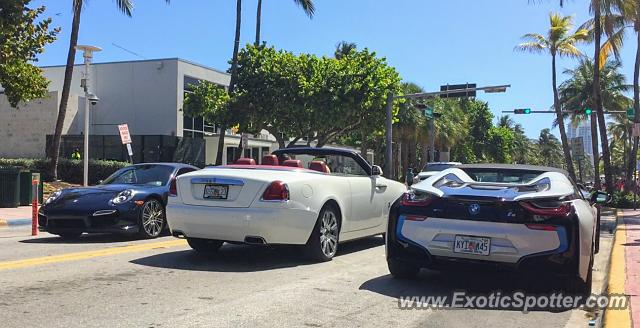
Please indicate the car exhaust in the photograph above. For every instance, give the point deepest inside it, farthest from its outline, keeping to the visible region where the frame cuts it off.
(254, 240)
(178, 234)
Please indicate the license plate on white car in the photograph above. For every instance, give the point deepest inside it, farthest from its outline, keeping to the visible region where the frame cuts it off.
(472, 245)
(213, 191)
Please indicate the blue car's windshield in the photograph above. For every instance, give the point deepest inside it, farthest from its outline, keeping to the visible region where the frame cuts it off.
(156, 175)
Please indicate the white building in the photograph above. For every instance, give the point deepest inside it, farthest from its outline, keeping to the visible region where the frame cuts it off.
(583, 130)
(148, 95)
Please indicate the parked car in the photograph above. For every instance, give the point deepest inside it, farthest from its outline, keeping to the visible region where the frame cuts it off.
(315, 197)
(130, 201)
(433, 168)
(529, 218)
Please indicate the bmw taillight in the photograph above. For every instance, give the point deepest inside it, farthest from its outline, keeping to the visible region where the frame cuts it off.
(547, 209)
(413, 198)
(276, 191)
(173, 187)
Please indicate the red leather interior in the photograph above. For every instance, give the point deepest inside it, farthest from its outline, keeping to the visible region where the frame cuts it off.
(245, 161)
(292, 163)
(270, 160)
(319, 166)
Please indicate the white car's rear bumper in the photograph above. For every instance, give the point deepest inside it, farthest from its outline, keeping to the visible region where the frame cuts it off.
(275, 225)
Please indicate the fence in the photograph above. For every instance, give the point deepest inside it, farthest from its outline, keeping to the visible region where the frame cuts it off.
(146, 148)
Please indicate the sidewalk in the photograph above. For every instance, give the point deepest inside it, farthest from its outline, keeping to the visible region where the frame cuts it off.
(625, 270)
(632, 257)
(15, 216)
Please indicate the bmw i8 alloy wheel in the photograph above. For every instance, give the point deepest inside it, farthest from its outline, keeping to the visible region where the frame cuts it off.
(151, 219)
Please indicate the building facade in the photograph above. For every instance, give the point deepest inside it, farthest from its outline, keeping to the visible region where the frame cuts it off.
(148, 95)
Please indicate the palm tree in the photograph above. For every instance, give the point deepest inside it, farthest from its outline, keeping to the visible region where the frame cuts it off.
(506, 121)
(307, 6)
(550, 149)
(343, 48)
(126, 7)
(558, 42)
(232, 80)
(577, 93)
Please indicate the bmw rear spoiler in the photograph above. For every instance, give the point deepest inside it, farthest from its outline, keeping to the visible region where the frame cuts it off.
(456, 182)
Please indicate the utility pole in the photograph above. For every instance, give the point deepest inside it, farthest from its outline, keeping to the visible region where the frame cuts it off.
(389, 149)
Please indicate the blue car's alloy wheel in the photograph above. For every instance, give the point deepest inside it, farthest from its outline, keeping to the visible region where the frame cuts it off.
(151, 219)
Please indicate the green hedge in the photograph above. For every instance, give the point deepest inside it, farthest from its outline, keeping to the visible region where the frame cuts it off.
(68, 170)
(622, 199)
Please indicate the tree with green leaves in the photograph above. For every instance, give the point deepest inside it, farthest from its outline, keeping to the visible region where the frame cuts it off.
(209, 101)
(559, 42)
(344, 48)
(22, 38)
(576, 94)
(307, 6)
(550, 149)
(126, 7)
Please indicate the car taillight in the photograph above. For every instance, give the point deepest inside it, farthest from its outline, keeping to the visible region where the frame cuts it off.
(277, 190)
(416, 199)
(173, 187)
(558, 209)
(415, 217)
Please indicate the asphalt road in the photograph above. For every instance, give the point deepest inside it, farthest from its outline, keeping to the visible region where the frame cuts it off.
(106, 281)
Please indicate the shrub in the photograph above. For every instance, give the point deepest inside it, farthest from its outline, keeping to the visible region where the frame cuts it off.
(622, 199)
(68, 170)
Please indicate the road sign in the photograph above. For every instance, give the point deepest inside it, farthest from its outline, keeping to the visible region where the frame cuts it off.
(631, 113)
(125, 137)
(129, 149)
(635, 132)
(428, 112)
(461, 94)
(577, 147)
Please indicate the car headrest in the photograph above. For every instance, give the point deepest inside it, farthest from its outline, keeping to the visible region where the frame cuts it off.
(270, 160)
(292, 163)
(319, 166)
(245, 161)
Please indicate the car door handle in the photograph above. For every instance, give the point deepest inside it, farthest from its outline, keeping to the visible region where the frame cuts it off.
(380, 186)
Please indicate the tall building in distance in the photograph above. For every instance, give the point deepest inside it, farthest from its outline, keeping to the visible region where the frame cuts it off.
(583, 129)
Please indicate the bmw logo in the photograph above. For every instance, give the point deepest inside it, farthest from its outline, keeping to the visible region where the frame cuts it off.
(474, 209)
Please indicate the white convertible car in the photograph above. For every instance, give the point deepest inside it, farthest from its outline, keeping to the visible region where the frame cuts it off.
(303, 196)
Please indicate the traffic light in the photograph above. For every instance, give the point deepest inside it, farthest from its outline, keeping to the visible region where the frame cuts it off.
(587, 111)
(522, 111)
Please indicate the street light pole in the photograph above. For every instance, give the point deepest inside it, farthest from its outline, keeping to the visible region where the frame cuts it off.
(389, 135)
(87, 55)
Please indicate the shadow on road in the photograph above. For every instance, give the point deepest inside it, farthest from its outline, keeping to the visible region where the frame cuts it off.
(446, 283)
(246, 258)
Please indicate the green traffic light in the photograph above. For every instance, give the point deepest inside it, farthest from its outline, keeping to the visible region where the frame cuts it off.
(587, 111)
(527, 110)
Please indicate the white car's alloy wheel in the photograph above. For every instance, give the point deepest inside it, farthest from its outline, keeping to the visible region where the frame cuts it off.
(329, 234)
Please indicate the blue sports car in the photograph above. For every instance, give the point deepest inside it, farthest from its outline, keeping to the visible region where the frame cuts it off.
(131, 201)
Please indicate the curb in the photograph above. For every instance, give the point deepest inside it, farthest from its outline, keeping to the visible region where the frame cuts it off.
(602, 320)
(599, 320)
(14, 222)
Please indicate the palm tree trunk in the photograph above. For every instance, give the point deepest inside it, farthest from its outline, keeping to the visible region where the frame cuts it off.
(595, 151)
(232, 82)
(597, 97)
(563, 134)
(636, 106)
(258, 22)
(54, 151)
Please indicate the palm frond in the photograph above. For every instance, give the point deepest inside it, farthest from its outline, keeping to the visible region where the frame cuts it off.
(125, 6)
(307, 6)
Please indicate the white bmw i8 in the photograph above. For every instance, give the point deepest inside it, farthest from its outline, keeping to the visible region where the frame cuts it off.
(316, 197)
(528, 218)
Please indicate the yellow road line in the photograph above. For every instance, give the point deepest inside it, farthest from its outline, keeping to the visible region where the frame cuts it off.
(89, 254)
(617, 275)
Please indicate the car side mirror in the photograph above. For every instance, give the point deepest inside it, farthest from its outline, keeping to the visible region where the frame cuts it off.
(376, 170)
(600, 197)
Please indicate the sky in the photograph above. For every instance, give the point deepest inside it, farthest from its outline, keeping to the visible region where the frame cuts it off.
(429, 42)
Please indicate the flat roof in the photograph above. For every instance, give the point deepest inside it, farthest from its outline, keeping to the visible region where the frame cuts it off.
(146, 60)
